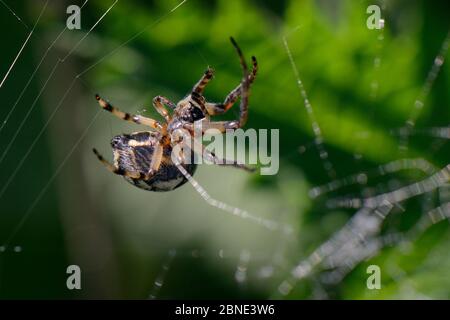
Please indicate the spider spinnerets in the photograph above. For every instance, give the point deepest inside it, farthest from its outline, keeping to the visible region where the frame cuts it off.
(145, 158)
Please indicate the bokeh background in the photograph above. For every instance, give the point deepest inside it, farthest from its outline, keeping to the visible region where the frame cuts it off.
(61, 207)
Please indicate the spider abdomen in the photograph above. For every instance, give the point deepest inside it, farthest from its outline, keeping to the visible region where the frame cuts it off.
(134, 152)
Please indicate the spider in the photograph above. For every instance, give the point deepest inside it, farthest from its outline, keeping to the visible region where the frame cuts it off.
(144, 158)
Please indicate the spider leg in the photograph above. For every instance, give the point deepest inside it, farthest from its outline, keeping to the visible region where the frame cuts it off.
(241, 90)
(159, 102)
(206, 124)
(128, 117)
(220, 108)
(201, 84)
(200, 149)
(245, 85)
(116, 170)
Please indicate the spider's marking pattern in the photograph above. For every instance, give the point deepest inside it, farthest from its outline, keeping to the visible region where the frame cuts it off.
(145, 158)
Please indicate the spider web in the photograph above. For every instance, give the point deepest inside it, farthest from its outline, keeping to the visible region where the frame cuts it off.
(359, 239)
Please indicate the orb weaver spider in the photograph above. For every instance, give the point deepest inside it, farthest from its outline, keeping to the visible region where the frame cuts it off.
(145, 158)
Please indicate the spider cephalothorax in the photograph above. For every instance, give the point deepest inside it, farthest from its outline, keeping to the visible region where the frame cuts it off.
(145, 158)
